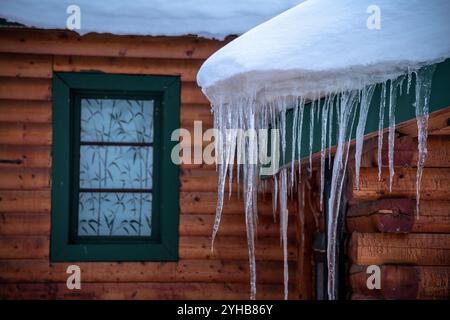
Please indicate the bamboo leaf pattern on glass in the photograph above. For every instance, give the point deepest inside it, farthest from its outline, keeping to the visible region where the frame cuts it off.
(116, 160)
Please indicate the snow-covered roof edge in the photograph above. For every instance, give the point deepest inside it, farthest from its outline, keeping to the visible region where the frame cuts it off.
(209, 19)
(326, 46)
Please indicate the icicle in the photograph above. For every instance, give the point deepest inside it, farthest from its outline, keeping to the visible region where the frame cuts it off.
(222, 158)
(366, 97)
(294, 143)
(275, 197)
(250, 113)
(283, 228)
(249, 196)
(380, 128)
(311, 136)
(323, 147)
(301, 108)
(423, 91)
(391, 136)
(408, 86)
(232, 154)
(330, 130)
(345, 109)
(282, 126)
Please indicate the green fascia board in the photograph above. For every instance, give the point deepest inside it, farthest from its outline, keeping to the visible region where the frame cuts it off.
(405, 111)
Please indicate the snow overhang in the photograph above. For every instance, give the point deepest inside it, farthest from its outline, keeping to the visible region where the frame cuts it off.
(325, 46)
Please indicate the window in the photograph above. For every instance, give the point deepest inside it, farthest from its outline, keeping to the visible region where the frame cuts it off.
(114, 186)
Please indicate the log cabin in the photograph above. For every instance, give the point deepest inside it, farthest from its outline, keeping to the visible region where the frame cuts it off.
(51, 81)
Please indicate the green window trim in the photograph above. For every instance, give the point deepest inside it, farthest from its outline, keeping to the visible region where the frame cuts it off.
(163, 244)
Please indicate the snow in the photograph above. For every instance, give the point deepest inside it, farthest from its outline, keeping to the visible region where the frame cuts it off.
(323, 49)
(212, 19)
(311, 48)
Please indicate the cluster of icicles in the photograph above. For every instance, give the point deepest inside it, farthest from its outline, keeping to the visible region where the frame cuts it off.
(250, 113)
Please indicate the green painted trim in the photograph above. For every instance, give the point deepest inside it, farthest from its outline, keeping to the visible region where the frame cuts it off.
(405, 111)
(163, 244)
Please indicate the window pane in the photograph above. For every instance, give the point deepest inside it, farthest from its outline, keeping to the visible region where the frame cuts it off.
(121, 167)
(116, 120)
(116, 162)
(114, 214)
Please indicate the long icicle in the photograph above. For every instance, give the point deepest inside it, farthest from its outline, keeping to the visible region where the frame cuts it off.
(311, 136)
(391, 136)
(323, 146)
(294, 143)
(249, 196)
(283, 226)
(345, 109)
(380, 128)
(330, 130)
(301, 109)
(222, 149)
(366, 98)
(423, 90)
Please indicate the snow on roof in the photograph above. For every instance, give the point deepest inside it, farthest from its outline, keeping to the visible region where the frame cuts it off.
(326, 45)
(208, 18)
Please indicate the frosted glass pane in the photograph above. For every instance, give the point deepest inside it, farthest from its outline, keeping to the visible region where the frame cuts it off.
(114, 214)
(116, 120)
(121, 167)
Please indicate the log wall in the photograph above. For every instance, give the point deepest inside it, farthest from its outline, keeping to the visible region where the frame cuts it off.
(28, 59)
(413, 251)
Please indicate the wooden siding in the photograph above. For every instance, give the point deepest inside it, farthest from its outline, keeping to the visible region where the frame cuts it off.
(28, 59)
(383, 228)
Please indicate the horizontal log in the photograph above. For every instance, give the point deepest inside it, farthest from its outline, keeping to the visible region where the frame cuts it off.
(40, 89)
(385, 215)
(24, 247)
(206, 203)
(142, 291)
(437, 120)
(267, 249)
(25, 65)
(200, 180)
(25, 201)
(233, 271)
(228, 248)
(435, 184)
(24, 224)
(106, 45)
(387, 248)
(196, 112)
(24, 178)
(25, 134)
(27, 156)
(25, 111)
(186, 68)
(25, 88)
(398, 215)
(444, 131)
(230, 225)
(192, 94)
(406, 152)
(403, 282)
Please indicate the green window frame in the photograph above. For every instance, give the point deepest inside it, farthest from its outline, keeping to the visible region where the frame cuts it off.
(66, 245)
